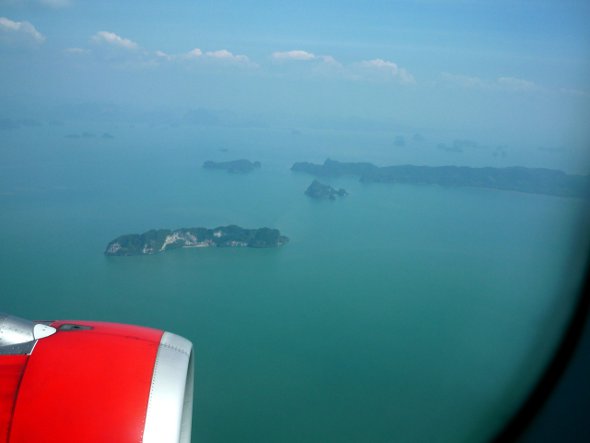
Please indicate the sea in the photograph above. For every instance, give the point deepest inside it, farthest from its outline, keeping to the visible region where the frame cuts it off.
(400, 313)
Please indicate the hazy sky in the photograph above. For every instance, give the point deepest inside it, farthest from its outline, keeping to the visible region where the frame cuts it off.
(505, 69)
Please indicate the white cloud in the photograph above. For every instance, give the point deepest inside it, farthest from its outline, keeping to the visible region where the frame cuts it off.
(327, 65)
(15, 32)
(305, 56)
(501, 83)
(224, 54)
(76, 51)
(380, 64)
(464, 81)
(574, 91)
(56, 3)
(193, 53)
(515, 84)
(294, 55)
(329, 60)
(391, 68)
(113, 39)
(163, 55)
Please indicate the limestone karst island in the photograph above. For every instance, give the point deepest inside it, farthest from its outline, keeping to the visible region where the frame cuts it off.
(241, 166)
(320, 191)
(160, 240)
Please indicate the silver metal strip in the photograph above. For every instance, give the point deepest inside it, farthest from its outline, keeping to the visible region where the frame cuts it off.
(169, 411)
(18, 349)
(15, 330)
(19, 336)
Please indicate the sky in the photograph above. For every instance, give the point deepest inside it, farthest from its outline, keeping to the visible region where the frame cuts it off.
(512, 71)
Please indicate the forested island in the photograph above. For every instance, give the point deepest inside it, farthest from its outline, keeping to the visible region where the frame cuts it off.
(160, 240)
(517, 178)
(321, 191)
(241, 166)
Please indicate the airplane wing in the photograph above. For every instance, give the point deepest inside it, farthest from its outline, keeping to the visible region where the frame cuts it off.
(93, 382)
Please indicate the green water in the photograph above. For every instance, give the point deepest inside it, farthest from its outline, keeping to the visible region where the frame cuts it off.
(400, 313)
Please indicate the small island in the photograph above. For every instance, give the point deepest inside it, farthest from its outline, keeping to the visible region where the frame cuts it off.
(516, 178)
(160, 240)
(320, 191)
(241, 166)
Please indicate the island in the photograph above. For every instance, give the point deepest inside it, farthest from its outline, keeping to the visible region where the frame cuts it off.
(241, 166)
(160, 240)
(516, 178)
(321, 191)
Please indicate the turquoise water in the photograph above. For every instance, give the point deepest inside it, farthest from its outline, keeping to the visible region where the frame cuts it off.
(400, 313)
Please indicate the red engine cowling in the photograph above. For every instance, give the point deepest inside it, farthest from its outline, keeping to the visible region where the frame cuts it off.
(79, 381)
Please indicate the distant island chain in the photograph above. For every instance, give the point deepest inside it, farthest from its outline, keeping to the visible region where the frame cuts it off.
(517, 178)
(160, 240)
(521, 179)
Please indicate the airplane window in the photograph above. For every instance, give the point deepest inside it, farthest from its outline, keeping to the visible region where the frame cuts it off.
(371, 219)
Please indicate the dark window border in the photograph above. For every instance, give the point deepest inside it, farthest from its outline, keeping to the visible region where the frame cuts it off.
(542, 393)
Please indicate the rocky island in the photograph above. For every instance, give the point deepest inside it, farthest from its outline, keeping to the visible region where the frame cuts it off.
(160, 240)
(517, 178)
(321, 191)
(241, 166)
